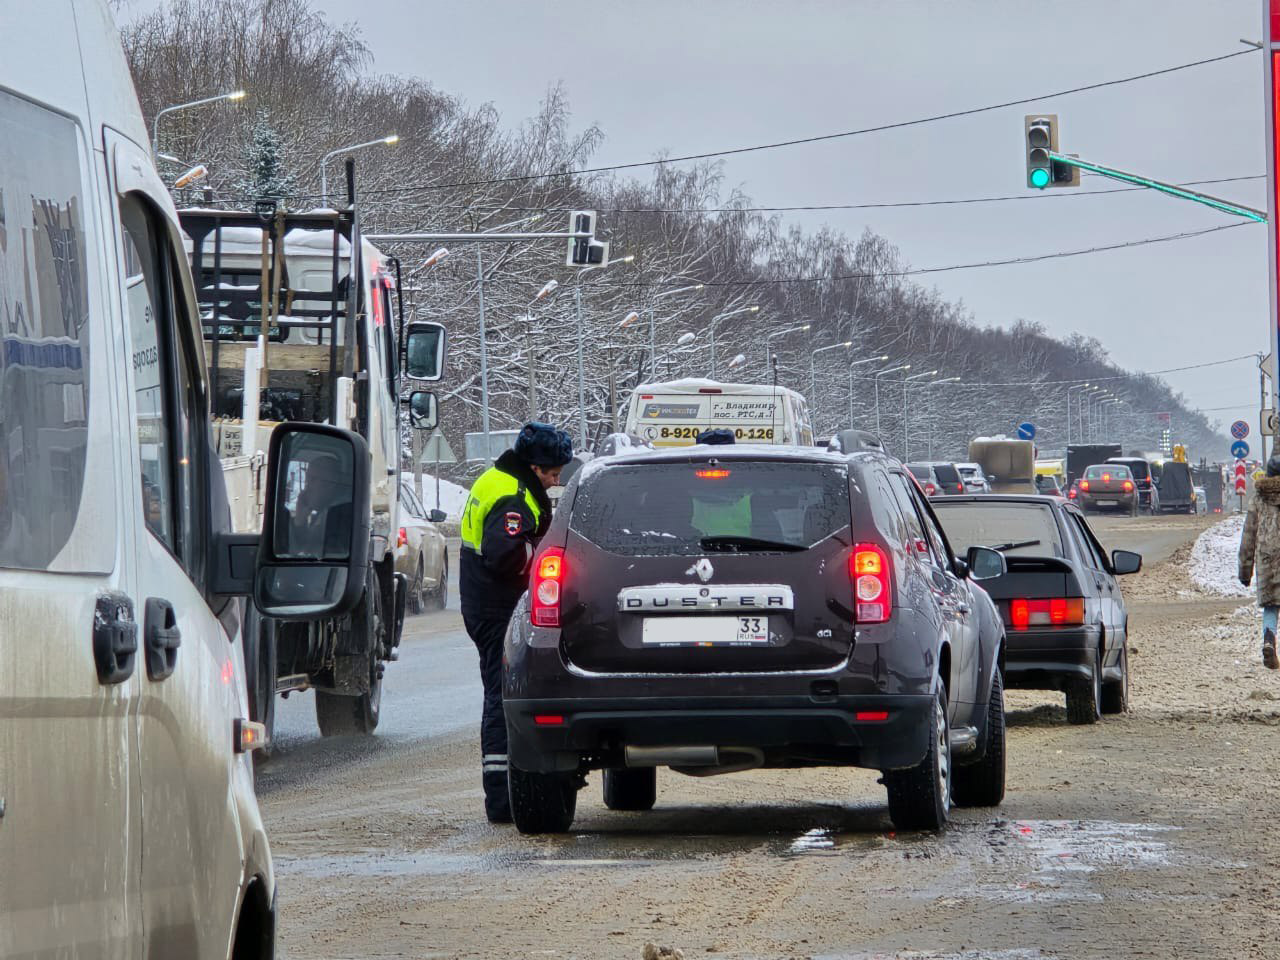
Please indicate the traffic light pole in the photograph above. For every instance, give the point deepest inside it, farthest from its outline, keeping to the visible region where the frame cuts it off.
(1182, 193)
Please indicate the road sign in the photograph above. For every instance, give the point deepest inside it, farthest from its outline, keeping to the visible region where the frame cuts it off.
(1239, 449)
(437, 450)
(500, 441)
(1241, 468)
(1026, 431)
(1240, 429)
(1268, 422)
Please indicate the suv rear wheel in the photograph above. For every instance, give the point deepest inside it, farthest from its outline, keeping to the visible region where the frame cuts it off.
(981, 784)
(920, 796)
(542, 802)
(630, 789)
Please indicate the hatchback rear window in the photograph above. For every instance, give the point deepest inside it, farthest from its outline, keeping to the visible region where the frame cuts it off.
(1016, 529)
(665, 509)
(947, 475)
(1116, 470)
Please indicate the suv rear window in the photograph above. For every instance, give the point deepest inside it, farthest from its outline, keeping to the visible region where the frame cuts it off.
(666, 509)
(947, 475)
(997, 523)
(1137, 467)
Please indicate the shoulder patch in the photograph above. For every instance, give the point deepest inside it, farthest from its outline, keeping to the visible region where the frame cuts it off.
(514, 524)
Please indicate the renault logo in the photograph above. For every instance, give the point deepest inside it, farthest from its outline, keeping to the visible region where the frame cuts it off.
(703, 569)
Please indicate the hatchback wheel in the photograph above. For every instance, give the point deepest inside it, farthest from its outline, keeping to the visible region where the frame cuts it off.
(1084, 696)
(1115, 693)
(631, 789)
(542, 802)
(920, 796)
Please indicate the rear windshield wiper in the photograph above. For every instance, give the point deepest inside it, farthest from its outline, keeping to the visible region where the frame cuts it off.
(739, 544)
(1014, 546)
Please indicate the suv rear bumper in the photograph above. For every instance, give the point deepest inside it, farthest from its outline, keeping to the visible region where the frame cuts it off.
(793, 730)
(1047, 659)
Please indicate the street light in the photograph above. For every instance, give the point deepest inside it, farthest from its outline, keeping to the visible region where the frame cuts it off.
(724, 316)
(653, 342)
(906, 420)
(1078, 386)
(858, 363)
(324, 181)
(548, 288)
(875, 382)
(582, 375)
(928, 415)
(768, 354)
(436, 257)
(1092, 396)
(234, 97)
(813, 371)
(738, 361)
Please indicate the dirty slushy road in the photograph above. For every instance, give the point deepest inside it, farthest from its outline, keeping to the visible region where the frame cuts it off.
(1149, 835)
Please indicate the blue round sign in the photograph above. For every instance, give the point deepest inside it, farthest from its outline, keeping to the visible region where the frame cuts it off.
(1026, 431)
(1239, 449)
(1240, 429)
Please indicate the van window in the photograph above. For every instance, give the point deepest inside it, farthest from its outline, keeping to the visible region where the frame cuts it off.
(44, 340)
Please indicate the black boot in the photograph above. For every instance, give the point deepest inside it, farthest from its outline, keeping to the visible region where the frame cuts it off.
(497, 802)
(1269, 658)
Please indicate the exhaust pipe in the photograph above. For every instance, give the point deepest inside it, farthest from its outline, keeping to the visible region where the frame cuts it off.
(671, 756)
(731, 760)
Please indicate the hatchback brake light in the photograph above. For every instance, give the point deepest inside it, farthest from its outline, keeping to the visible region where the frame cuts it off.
(547, 581)
(1128, 486)
(1084, 485)
(872, 590)
(1055, 611)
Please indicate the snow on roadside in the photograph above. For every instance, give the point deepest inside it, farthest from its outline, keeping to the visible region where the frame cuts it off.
(452, 497)
(1214, 563)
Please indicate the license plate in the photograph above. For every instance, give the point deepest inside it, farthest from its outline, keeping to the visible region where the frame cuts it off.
(705, 631)
(1107, 503)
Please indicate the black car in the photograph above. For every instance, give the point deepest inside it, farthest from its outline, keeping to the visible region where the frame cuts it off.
(1061, 604)
(1146, 477)
(716, 609)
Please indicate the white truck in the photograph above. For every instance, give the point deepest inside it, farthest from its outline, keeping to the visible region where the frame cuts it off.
(296, 329)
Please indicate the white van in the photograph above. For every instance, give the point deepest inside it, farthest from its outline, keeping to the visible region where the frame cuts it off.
(672, 414)
(128, 821)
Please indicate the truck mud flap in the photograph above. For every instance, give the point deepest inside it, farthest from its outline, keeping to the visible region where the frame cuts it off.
(351, 675)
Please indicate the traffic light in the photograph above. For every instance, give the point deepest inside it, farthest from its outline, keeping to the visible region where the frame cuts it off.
(1042, 142)
(586, 251)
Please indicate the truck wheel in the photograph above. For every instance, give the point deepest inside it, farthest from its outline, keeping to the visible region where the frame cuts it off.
(542, 802)
(1084, 697)
(438, 598)
(626, 789)
(340, 715)
(920, 796)
(981, 784)
(1115, 693)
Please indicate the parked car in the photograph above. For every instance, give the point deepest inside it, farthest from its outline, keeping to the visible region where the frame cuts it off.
(1108, 486)
(1066, 623)
(975, 481)
(938, 479)
(421, 554)
(717, 634)
(1146, 476)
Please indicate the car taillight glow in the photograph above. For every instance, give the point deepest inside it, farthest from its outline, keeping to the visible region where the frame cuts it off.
(1128, 486)
(403, 538)
(711, 474)
(930, 489)
(548, 719)
(871, 716)
(1106, 478)
(869, 569)
(1084, 485)
(1051, 612)
(548, 575)
(960, 487)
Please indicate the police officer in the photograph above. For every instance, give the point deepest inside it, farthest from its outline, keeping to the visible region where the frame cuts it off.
(506, 515)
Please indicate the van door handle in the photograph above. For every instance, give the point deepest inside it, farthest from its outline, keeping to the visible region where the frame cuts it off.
(115, 638)
(160, 627)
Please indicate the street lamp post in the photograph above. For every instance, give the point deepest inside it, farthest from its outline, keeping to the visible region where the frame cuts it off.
(813, 371)
(1092, 397)
(582, 376)
(906, 420)
(233, 97)
(929, 413)
(875, 381)
(724, 316)
(653, 335)
(1078, 386)
(548, 288)
(768, 354)
(324, 180)
(857, 363)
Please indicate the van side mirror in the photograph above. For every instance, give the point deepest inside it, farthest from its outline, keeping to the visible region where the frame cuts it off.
(985, 563)
(313, 553)
(437, 516)
(424, 411)
(1125, 561)
(424, 350)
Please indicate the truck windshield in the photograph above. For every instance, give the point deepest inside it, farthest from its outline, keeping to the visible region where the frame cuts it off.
(1031, 526)
(666, 509)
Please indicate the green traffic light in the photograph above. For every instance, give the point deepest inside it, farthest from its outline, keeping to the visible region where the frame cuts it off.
(1040, 178)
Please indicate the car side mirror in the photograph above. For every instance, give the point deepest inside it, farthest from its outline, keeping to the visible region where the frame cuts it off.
(437, 516)
(424, 411)
(985, 563)
(1125, 561)
(424, 350)
(313, 553)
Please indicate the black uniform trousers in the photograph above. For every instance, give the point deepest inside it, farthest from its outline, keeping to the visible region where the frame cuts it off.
(488, 635)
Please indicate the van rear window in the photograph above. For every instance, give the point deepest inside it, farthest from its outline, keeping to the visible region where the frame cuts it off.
(665, 509)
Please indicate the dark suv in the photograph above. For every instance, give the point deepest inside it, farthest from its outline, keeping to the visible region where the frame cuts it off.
(716, 609)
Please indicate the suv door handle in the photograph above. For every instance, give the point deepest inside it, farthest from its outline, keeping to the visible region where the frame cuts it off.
(160, 628)
(115, 638)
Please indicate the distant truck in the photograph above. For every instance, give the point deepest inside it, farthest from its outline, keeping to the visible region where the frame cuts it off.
(1081, 456)
(1009, 465)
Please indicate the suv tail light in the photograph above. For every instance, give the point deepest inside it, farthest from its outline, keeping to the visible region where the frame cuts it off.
(929, 488)
(544, 593)
(872, 596)
(1053, 612)
(403, 538)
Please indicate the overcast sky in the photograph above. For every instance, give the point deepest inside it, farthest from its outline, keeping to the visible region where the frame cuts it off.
(688, 77)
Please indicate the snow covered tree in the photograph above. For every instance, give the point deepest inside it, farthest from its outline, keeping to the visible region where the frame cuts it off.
(265, 172)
